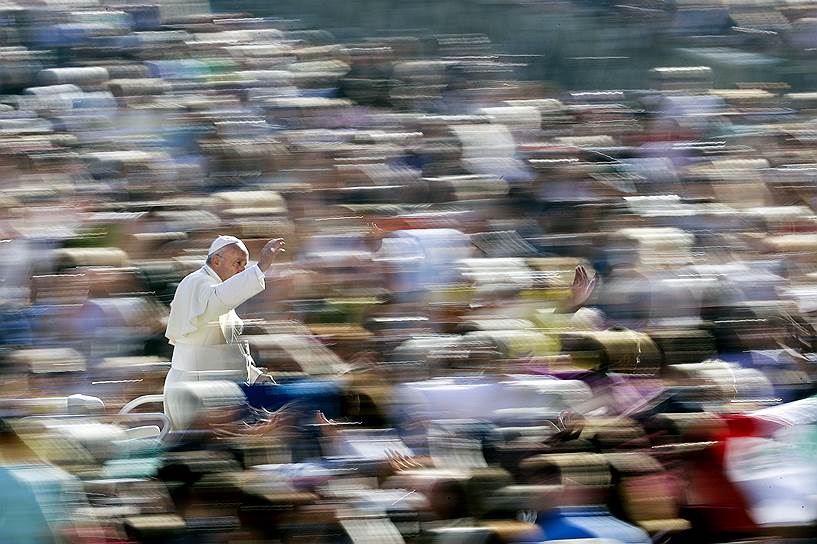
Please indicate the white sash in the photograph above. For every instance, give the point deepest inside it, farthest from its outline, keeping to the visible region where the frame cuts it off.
(228, 357)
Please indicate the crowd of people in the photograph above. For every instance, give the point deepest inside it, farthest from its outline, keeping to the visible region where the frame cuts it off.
(507, 312)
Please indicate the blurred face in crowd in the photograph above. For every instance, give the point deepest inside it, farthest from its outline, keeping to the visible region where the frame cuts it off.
(229, 261)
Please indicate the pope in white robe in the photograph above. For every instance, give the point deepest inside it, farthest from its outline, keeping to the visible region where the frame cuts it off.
(204, 328)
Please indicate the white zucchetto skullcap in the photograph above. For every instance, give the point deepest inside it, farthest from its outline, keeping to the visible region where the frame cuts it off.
(223, 241)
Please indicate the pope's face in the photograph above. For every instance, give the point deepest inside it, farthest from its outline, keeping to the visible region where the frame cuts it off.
(229, 262)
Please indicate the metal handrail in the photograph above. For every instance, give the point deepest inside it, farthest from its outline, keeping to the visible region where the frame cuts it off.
(139, 401)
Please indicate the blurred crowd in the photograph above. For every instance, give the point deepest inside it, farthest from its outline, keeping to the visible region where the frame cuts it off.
(509, 312)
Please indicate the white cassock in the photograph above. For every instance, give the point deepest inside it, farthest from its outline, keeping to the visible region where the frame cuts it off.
(205, 332)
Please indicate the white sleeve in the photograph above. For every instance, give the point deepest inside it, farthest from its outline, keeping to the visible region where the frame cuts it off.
(204, 301)
(230, 294)
(258, 273)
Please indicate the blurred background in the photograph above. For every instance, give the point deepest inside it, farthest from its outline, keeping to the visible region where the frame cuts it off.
(551, 270)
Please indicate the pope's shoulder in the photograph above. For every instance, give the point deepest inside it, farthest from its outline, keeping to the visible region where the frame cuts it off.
(196, 278)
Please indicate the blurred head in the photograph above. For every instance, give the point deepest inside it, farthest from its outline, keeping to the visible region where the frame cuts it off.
(228, 261)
